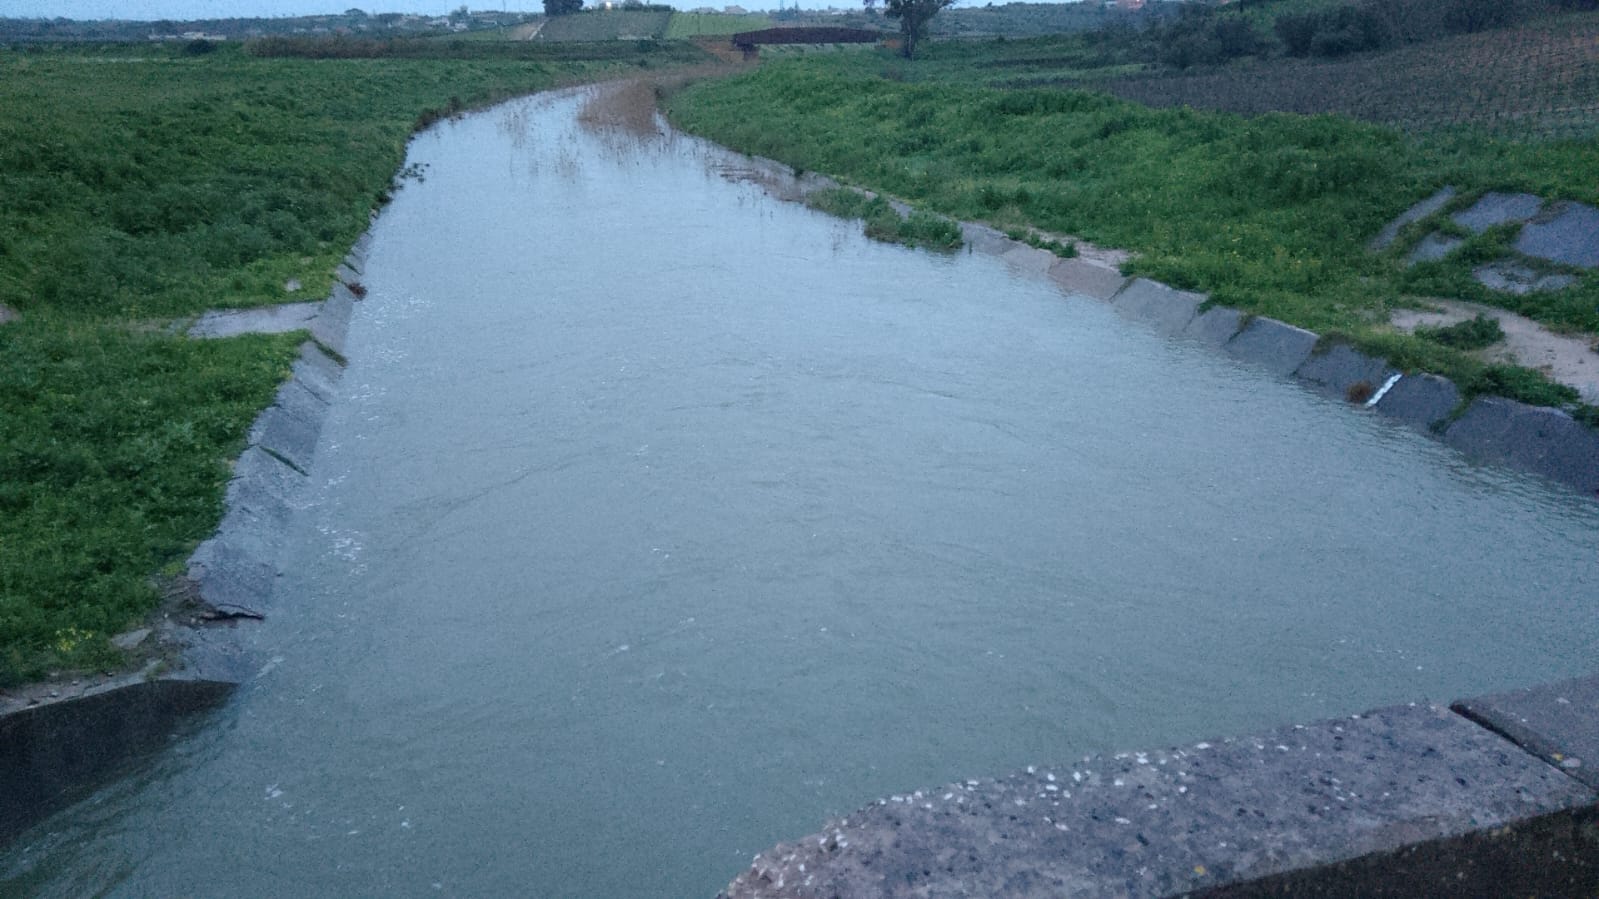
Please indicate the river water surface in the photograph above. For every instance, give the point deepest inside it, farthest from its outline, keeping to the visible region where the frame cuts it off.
(659, 520)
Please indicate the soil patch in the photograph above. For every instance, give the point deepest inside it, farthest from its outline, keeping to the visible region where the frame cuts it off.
(1566, 359)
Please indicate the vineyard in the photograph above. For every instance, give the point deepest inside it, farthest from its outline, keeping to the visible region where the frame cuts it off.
(1539, 80)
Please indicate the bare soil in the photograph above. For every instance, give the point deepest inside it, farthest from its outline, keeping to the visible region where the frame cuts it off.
(1570, 360)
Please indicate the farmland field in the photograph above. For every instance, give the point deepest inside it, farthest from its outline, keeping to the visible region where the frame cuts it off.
(686, 25)
(1536, 80)
(605, 25)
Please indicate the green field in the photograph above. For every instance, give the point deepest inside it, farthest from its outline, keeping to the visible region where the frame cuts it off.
(1269, 214)
(605, 25)
(143, 185)
(685, 25)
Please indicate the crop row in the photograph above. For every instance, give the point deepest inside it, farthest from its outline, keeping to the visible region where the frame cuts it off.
(1528, 82)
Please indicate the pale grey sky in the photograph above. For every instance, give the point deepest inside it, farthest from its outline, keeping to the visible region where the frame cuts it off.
(227, 9)
(231, 9)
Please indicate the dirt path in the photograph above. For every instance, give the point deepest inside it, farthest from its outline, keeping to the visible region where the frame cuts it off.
(1569, 360)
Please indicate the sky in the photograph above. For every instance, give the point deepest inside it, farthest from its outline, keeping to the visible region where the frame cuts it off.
(229, 9)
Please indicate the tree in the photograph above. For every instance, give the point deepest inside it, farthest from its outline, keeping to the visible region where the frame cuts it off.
(913, 16)
(561, 7)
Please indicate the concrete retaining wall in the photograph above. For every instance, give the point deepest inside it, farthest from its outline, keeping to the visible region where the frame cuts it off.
(1494, 430)
(59, 740)
(1412, 800)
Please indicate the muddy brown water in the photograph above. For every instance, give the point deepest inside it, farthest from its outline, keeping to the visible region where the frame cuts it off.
(658, 520)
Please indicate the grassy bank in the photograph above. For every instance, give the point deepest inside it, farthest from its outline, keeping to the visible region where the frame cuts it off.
(1270, 214)
(144, 184)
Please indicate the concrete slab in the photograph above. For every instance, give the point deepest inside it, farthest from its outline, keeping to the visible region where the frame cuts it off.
(1333, 797)
(333, 322)
(1077, 276)
(1346, 373)
(1433, 247)
(1498, 209)
(231, 573)
(261, 488)
(1533, 438)
(291, 426)
(1420, 400)
(1168, 310)
(265, 320)
(1557, 722)
(1512, 277)
(346, 275)
(1416, 213)
(1568, 234)
(1030, 260)
(1215, 326)
(50, 754)
(318, 372)
(986, 240)
(1278, 346)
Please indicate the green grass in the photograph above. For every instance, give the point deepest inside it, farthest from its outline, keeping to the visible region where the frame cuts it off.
(883, 222)
(113, 453)
(142, 185)
(1268, 214)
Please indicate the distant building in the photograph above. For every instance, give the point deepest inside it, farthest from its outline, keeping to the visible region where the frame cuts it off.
(735, 10)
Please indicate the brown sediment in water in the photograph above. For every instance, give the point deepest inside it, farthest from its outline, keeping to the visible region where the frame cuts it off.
(629, 107)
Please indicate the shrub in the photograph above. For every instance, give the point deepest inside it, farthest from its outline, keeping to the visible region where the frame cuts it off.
(1473, 334)
(1200, 37)
(1296, 31)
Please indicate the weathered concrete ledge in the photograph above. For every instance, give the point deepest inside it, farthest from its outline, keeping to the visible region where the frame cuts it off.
(59, 739)
(1412, 800)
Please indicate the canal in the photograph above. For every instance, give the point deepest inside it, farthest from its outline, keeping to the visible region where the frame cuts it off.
(658, 520)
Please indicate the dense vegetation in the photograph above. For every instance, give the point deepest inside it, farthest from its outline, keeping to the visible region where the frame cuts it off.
(142, 185)
(1269, 214)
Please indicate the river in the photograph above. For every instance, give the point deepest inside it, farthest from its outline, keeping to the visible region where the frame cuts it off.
(658, 520)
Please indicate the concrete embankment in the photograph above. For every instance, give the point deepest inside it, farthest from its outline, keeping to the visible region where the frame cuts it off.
(1494, 796)
(1490, 429)
(59, 739)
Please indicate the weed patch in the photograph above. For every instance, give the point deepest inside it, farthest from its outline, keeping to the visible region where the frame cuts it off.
(883, 222)
(1475, 334)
